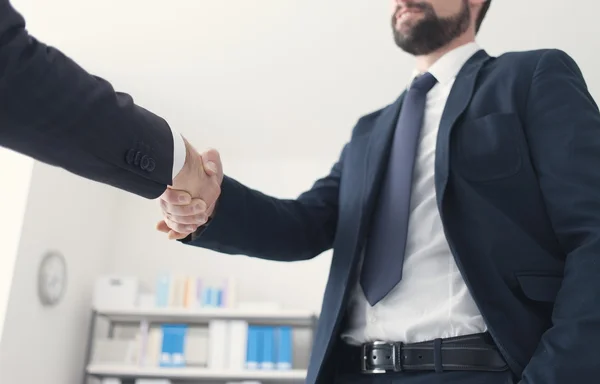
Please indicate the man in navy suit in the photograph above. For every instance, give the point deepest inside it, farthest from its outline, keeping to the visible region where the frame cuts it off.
(485, 266)
(54, 111)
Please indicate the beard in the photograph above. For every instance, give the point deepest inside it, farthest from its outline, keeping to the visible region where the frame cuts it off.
(431, 32)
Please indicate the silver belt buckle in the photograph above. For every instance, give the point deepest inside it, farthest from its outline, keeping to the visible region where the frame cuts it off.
(378, 345)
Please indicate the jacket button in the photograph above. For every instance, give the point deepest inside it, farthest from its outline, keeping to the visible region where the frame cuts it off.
(130, 156)
(151, 165)
(144, 162)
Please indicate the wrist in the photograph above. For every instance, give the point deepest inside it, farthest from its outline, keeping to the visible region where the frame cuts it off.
(186, 169)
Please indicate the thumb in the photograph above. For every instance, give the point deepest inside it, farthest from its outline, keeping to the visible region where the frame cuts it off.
(212, 162)
(176, 197)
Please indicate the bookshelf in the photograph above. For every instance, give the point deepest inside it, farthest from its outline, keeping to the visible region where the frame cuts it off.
(193, 316)
(204, 315)
(195, 374)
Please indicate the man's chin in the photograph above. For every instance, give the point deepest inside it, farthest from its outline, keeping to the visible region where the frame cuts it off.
(404, 28)
(403, 40)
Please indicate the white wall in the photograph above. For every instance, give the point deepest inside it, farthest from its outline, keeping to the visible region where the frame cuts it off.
(16, 172)
(275, 85)
(76, 217)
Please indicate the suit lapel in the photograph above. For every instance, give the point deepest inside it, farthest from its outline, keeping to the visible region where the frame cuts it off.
(380, 139)
(458, 101)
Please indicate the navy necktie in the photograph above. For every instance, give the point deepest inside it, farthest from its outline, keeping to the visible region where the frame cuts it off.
(384, 256)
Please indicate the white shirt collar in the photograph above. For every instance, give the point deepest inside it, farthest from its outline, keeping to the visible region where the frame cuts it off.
(447, 67)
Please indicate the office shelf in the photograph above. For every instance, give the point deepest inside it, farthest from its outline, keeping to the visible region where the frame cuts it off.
(194, 316)
(124, 371)
(204, 315)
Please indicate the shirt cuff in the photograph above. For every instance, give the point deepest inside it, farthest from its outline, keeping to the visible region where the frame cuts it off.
(179, 152)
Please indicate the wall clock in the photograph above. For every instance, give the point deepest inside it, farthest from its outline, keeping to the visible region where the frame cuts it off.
(52, 278)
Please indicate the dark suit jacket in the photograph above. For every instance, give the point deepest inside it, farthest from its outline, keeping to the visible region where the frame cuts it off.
(517, 177)
(54, 111)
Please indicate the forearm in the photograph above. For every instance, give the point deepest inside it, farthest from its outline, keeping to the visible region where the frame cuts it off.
(53, 110)
(248, 222)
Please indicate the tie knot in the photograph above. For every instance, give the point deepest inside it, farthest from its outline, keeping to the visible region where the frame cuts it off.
(424, 82)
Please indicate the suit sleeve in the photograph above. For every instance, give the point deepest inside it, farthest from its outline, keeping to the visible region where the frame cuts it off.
(54, 111)
(563, 128)
(248, 222)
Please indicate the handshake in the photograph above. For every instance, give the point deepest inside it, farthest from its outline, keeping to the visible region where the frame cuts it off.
(190, 201)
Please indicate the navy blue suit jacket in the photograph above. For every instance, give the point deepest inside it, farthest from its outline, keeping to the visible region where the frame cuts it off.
(54, 111)
(517, 177)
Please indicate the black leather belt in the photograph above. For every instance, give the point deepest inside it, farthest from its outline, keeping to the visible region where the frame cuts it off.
(463, 353)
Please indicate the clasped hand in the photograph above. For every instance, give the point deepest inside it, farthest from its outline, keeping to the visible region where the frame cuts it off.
(190, 201)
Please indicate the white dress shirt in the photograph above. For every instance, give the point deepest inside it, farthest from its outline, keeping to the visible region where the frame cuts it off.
(178, 152)
(432, 299)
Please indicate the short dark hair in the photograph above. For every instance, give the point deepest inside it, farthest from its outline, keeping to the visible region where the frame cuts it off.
(482, 13)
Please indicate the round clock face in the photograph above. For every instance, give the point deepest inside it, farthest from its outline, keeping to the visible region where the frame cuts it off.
(52, 278)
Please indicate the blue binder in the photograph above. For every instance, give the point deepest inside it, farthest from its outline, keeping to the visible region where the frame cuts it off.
(173, 345)
(284, 348)
(268, 348)
(253, 352)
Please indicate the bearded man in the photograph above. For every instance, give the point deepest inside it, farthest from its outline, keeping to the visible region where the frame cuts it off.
(464, 219)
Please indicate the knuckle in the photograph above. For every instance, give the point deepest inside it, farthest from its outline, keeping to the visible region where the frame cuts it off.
(164, 205)
(201, 219)
(176, 197)
(197, 208)
(180, 211)
(180, 220)
(168, 208)
(170, 224)
(174, 225)
(181, 226)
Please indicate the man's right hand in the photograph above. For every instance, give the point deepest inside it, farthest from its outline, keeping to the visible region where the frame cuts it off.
(189, 203)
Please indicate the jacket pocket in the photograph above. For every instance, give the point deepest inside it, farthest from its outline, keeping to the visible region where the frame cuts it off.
(488, 147)
(540, 287)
